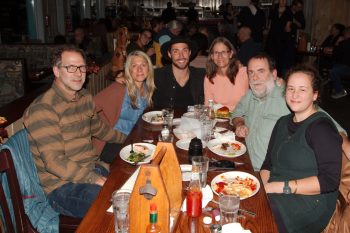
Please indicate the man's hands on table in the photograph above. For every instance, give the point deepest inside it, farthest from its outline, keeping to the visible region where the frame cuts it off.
(241, 129)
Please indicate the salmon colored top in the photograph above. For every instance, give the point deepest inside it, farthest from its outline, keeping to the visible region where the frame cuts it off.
(224, 92)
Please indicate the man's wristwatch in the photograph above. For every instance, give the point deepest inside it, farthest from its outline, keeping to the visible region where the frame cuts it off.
(286, 188)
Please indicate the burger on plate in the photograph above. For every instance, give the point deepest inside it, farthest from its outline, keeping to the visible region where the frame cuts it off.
(223, 112)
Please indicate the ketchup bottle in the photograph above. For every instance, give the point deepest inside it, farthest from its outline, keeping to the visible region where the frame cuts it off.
(194, 196)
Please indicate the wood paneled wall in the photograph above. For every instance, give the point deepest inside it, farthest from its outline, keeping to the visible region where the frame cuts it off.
(325, 14)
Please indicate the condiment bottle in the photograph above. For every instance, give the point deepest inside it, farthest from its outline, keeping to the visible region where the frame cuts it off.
(194, 195)
(195, 148)
(211, 112)
(153, 227)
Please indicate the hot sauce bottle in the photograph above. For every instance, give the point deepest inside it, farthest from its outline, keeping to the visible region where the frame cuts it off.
(194, 195)
(153, 227)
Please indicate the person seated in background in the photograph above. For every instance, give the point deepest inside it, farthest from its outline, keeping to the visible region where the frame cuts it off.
(328, 44)
(226, 78)
(142, 43)
(60, 125)
(119, 55)
(200, 60)
(301, 171)
(138, 89)
(85, 43)
(172, 30)
(341, 66)
(257, 112)
(253, 17)
(178, 84)
(157, 25)
(248, 47)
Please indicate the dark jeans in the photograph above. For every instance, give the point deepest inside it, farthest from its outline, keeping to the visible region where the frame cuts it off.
(336, 73)
(75, 199)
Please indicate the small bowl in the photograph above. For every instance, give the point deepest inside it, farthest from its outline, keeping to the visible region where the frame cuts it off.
(183, 134)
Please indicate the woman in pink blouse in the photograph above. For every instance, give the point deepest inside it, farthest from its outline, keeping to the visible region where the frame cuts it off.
(226, 80)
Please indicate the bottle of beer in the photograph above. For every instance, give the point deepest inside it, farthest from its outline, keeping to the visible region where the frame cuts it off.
(153, 227)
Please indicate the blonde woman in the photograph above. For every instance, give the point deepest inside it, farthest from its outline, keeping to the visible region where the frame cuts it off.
(138, 90)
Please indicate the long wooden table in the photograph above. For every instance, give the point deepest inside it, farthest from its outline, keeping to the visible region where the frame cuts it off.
(99, 220)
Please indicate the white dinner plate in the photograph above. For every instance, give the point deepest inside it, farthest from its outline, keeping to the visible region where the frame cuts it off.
(215, 146)
(153, 117)
(125, 152)
(222, 119)
(224, 177)
(219, 129)
(185, 143)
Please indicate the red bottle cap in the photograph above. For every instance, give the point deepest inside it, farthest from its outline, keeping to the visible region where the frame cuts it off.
(153, 207)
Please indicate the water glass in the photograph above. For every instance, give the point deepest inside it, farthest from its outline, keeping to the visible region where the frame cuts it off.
(120, 202)
(201, 163)
(229, 206)
(206, 130)
(168, 116)
(198, 110)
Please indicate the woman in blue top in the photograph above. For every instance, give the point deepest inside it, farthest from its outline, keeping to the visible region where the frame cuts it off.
(139, 88)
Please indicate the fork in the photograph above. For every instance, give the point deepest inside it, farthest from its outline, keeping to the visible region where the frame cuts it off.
(132, 147)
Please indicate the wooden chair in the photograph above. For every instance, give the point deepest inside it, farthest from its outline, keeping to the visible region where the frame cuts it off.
(340, 221)
(12, 199)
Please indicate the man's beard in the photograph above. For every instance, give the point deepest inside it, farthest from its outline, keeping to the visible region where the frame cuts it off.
(269, 85)
(182, 67)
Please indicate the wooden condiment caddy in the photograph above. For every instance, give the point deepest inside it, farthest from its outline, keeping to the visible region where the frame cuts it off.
(164, 176)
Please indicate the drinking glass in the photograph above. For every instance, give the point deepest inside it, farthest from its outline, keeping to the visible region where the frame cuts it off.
(229, 206)
(201, 163)
(120, 202)
(168, 116)
(206, 130)
(198, 110)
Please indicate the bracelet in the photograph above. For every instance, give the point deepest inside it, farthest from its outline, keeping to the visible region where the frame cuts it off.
(296, 187)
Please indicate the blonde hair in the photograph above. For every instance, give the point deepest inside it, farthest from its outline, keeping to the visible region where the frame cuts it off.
(130, 83)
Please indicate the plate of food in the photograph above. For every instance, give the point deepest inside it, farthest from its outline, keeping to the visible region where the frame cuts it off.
(222, 114)
(143, 153)
(153, 117)
(240, 183)
(226, 148)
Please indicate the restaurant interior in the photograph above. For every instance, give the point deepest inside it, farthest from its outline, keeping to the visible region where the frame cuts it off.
(32, 31)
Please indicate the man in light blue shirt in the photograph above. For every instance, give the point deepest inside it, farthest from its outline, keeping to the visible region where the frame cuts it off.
(257, 112)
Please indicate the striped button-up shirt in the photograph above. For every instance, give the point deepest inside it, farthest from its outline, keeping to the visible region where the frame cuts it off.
(60, 130)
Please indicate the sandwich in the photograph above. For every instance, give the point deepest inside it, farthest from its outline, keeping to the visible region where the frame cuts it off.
(223, 112)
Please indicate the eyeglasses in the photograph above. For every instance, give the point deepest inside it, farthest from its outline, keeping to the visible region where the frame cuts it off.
(73, 69)
(222, 53)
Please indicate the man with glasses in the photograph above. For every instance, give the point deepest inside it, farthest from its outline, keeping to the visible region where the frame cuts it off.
(142, 43)
(60, 124)
(178, 84)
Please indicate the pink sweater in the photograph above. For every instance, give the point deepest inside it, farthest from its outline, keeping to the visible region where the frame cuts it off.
(224, 92)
